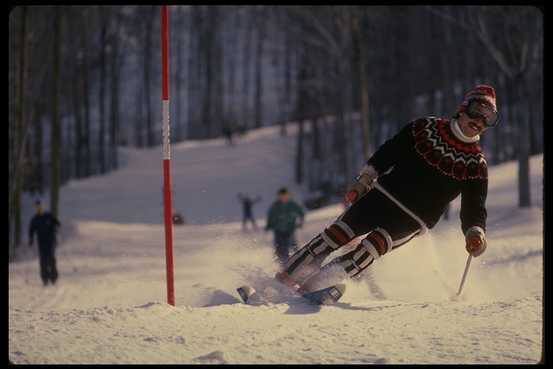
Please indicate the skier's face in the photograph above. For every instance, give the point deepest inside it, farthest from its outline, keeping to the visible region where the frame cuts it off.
(39, 209)
(471, 126)
(283, 197)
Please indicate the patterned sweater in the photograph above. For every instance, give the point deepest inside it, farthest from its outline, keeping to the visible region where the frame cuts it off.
(431, 167)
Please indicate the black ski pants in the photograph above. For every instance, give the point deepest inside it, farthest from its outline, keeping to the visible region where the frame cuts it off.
(47, 260)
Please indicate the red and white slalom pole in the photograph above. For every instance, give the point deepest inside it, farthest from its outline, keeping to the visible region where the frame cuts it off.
(167, 201)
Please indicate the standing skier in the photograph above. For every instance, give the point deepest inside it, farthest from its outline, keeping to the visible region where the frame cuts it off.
(419, 171)
(45, 225)
(283, 218)
(247, 213)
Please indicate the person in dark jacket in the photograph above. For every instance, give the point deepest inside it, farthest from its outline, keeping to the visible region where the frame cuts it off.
(247, 212)
(45, 225)
(402, 191)
(284, 216)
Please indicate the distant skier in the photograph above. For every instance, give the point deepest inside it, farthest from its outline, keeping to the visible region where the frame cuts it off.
(228, 132)
(45, 225)
(247, 212)
(283, 218)
(420, 171)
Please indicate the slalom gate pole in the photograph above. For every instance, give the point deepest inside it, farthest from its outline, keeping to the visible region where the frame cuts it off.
(167, 201)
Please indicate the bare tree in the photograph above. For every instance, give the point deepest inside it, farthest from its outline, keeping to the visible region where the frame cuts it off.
(510, 35)
(101, 91)
(55, 139)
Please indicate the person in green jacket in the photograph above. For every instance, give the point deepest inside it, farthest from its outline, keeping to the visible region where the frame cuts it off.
(284, 217)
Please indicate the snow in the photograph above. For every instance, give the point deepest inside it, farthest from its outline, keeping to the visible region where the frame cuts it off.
(109, 305)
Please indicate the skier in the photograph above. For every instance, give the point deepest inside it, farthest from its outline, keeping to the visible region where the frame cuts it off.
(283, 218)
(402, 191)
(45, 225)
(247, 213)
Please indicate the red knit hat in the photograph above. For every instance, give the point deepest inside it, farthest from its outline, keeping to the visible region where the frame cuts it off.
(484, 93)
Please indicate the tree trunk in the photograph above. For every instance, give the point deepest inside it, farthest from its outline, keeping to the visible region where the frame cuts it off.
(147, 80)
(55, 140)
(20, 126)
(101, 91)
(39, 134)
(86, 100)
(216, 95)
(359, 45)
(521, 92)
(208, 62)
(77, 114)
(246, 75)
(114, 94)
(299, 152)
(177, 123)
(258, 103)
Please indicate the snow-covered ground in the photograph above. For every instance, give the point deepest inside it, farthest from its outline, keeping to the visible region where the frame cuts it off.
(109, 305)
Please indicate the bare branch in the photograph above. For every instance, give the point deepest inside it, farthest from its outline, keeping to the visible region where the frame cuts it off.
(448, 17)
(499, 57)
(315, 22)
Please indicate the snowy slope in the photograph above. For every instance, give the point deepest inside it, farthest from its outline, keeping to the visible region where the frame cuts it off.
(109, 305)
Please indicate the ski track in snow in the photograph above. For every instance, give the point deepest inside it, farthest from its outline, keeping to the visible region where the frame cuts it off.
(109, 305)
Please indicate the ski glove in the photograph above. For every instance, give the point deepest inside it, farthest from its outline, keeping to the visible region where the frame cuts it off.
(363, 184)
(475, 241)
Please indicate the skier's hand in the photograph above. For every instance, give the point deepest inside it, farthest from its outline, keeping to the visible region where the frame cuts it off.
(363, 184)
(475, 241)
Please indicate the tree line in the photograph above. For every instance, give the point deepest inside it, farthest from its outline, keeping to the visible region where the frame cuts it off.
(85, 80)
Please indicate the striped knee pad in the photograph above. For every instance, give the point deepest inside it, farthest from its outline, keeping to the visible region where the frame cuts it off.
(376, 244)
(313, 254)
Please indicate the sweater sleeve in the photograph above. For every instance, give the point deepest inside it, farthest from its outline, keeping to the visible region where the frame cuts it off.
(270, 217)
(388, 154)
(32, 228)
(299, 210)
(473, 204)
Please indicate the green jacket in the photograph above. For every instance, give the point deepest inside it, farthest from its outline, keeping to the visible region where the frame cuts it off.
(283, 216)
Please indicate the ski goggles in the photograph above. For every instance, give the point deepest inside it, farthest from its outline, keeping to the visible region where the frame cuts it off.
(479, 109)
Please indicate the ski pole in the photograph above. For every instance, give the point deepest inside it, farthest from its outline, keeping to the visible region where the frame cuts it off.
(464, 274)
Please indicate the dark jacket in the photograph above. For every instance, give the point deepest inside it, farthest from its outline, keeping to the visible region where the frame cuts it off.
(283, 217)
(247, 204)
(45, 226)
(431, 167)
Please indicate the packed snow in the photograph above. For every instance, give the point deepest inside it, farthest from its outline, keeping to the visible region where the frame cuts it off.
(109, 305)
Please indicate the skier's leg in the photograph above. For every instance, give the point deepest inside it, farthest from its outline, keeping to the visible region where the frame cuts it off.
(281, 247)
(253, 222)
(53, 268)
(387, 227)
(378, 243)
(310, 257)
(43, 264)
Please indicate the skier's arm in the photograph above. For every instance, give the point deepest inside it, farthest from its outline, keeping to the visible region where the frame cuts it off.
(32, 227)
(473, 214)
(56, 222)
(301, 214)
(300, 211)
(270, 218)
(387, 155)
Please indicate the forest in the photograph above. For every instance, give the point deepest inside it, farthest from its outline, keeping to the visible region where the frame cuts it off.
(86, 80)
